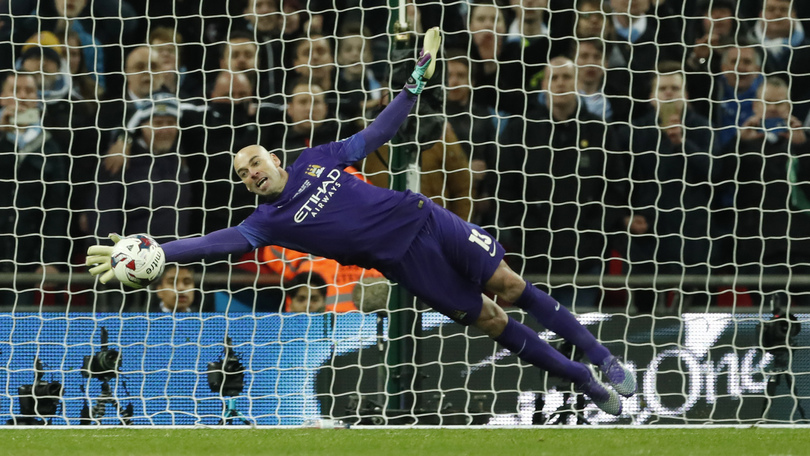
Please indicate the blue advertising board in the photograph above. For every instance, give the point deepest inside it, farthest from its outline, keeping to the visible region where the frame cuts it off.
(165, 360)
(692, 369)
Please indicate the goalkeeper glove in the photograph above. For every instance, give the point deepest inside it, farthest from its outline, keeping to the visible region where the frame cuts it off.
(100, 257)
(427, 62)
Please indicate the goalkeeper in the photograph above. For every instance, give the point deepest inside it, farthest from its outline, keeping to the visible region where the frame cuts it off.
(314, 206)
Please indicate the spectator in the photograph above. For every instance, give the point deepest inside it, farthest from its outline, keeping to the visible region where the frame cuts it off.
(770, 169)
(115, 113)
(84, 86)
(83, 136)
(238, 55)
(65, 108)
(357, 87)
(448, 16)
(717, 29)
(671, 184)
(69, 121)
(96, 23)
(263, 17)
(642, 41)
(590, 61)
(732, 92)
(532, 23)
(167, 44)
(529, 22)
(307, 293)
(296, 21)
(314, 64)
(33, 187)
(227, 121)
(307, 123)
(47, 63)
(592, 22)
(152, 194)
(476, 129)
(274, 32)
(557, 148)
(787, 49)
(498, 67)
(175, 289)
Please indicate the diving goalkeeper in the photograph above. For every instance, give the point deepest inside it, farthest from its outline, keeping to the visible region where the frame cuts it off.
(316, 207)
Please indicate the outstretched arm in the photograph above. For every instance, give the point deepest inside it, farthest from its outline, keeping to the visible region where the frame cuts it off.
(391, 118)
(217, 244)
(385, 126)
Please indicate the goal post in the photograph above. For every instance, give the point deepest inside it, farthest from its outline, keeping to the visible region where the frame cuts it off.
(649, 174)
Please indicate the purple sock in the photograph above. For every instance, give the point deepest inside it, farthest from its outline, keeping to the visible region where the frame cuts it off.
(557, 318)
(524, 342)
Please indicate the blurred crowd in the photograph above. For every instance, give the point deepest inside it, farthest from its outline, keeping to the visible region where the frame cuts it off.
(590, 136)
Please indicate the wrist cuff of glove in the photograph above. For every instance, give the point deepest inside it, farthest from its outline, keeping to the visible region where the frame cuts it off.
(415, 86)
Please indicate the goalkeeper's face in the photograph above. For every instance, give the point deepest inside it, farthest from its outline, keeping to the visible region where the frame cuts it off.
(260, 171)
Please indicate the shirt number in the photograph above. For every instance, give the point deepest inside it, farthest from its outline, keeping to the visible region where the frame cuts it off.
(481, 239)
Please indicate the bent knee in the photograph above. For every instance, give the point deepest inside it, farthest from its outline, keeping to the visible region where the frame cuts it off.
(506, 283)
(492, 319)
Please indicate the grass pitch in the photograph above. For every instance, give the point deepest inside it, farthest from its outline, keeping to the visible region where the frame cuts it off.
(390, 442)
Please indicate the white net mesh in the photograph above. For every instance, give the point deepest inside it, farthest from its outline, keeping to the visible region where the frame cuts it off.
(641, 160)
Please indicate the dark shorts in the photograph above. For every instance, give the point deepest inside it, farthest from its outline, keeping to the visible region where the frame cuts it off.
(448, 264)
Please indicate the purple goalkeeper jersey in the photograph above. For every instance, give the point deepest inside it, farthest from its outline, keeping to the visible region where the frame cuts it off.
(328, 212)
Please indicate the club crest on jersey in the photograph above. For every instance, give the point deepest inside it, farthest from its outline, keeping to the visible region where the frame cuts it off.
(322, 194)
(314, 170)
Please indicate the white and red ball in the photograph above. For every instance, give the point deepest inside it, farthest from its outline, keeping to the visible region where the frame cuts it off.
(137, 260)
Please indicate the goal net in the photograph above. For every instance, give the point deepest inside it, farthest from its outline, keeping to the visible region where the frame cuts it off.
(643, 161)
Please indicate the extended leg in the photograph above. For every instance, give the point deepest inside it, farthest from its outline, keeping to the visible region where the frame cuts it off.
(525, 343)
(559, 319)
(510, 286)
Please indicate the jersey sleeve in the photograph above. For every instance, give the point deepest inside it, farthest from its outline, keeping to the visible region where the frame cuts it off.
(349, 150)
(357, 146)
(214, 245)
(256, 237)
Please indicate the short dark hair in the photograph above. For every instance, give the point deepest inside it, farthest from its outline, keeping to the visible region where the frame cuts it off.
(312, 37)
(14, 74)
(665, 68)
(792, 4)
(172, 266)
(165, 33)
(745, 43)
(309, 279)
(237, 34)
(299, 81)
(507, 13)
(596, 3)
(243, 34)
(669, 66)
(456, 54)
(598, 43)
(709, 5)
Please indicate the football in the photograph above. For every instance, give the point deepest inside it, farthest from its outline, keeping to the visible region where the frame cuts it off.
(137, 260)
